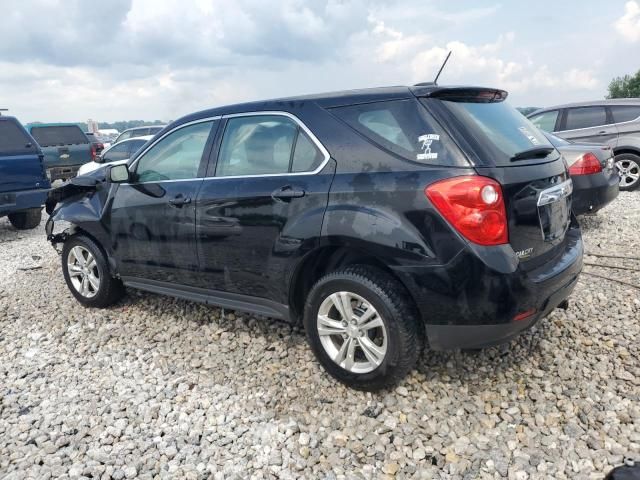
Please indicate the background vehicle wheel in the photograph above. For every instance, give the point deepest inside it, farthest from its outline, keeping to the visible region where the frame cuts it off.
(27, 219)
(363, 328)
(86, 272)
(628, 166)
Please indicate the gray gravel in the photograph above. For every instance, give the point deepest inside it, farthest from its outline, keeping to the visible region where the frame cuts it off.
(161, 388)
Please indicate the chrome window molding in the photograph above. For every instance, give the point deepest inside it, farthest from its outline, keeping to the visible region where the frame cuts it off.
(291, 116)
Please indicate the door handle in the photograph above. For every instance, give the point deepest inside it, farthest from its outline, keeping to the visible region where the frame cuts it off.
(287, 192)
(179, 201)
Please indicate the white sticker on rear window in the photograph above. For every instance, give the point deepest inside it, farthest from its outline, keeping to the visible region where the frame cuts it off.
(529, 135)
(426, 141)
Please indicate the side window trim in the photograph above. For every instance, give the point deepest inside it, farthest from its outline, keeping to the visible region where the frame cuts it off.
(210, 173)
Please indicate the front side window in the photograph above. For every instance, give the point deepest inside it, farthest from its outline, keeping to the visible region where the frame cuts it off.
(545, 121)
(123, 136)
(625, 113)
(134, 146)
(177, 156)
(585, 117)
(265, 145)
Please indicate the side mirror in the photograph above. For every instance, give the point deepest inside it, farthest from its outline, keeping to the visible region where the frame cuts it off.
(98, 159)
(119, 174)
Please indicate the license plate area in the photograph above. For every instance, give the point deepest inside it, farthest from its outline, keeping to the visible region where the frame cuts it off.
(554, 210)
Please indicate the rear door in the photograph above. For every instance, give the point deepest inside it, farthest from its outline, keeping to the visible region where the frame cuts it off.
(20, 160)
(261, 207)
(627, 119)
(63, 145)
(588, 124)
(536, 186)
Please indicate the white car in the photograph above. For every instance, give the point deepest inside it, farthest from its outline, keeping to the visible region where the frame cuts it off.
(117, 153)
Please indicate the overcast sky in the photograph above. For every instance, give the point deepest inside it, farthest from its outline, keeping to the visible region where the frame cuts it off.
(69, 60)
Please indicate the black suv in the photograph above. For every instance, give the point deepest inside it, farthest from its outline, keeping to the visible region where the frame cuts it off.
(384, 219)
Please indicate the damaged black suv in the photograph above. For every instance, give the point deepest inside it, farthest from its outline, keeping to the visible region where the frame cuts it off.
(384, 220)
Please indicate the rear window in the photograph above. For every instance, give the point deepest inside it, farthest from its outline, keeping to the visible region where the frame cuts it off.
(404, 128)
(59, 135)
(495, 130)
(13, 139)
(625, 113)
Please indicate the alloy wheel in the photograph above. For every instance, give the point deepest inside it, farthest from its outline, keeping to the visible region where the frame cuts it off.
(83, 271)
(352, 332)
(629, 172)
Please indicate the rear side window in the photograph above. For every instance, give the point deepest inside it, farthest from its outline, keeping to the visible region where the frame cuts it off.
(266, 144)
(13, 139)
(59, 135)
(545, 121)
(405, 128)
(625, 113)
(585, 117)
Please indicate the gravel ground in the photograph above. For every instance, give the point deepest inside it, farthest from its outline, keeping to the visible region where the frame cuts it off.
(161, 388)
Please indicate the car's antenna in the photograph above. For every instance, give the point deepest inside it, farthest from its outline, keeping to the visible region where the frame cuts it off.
(435, 81)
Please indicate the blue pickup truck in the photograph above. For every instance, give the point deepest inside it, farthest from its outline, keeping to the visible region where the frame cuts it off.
(23, 180)
(65, 147)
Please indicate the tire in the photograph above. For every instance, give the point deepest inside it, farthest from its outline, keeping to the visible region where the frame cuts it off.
(27, 219)
(628, 166)
(108, 290)
(400, 336)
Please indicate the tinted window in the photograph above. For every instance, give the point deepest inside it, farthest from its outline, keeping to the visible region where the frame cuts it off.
(123, 136)
(256, 145)
(625, 113)
(497, 130)
(585, 117)
(117, 152)
(154, 130)
(405, 128)
(134, 146)
(13, 139)
(59, 135)
(306, 156)
(176, 156)
(545, 121)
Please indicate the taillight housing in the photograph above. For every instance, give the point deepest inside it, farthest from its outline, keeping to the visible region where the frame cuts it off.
(93, 152)
(474, 206)
(587, 164)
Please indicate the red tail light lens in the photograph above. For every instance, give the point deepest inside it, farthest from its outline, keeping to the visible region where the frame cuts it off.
(93, 152)
(474, 206)
(586, 164)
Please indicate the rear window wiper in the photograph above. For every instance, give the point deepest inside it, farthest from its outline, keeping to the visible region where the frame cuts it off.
(535, 152)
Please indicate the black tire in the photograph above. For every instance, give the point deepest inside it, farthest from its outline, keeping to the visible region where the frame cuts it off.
(630, 161)
(27, 219)
(110, 289)
(403, 326)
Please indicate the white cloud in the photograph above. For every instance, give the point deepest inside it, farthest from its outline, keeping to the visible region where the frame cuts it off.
(628, 26)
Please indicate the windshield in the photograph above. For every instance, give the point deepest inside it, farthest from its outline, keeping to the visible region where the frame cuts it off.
(496, 130)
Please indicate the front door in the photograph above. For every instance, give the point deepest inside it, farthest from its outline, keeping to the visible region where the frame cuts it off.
(153, 216)
(263, 209)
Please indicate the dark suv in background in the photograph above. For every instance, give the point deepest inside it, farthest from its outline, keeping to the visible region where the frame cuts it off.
(383, 219)
(615, 123)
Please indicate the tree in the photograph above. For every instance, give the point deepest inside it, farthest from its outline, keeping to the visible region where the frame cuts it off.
(625, 87)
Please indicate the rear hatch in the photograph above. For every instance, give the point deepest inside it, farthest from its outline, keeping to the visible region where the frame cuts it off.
(21, 166)
(63, 145)
(502, 144)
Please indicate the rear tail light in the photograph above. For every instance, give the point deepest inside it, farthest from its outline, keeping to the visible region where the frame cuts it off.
(474, 206)
(586, 164)
(93, 152)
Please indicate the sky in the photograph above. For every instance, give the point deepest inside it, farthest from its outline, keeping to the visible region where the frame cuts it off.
(70, 60)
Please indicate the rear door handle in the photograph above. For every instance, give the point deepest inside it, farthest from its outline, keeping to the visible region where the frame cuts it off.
(179, 200)
(287, 192)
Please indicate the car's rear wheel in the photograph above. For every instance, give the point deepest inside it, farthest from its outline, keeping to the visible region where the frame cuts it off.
(628, 166)
(27, 219)
(363, 328)
(86, 272)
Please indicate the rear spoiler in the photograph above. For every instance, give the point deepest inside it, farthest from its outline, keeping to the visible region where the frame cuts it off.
(460, 94)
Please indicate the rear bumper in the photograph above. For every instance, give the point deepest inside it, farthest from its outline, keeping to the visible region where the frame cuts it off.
(467, 304)
(593, 192)
(62, 173)
(11, 202)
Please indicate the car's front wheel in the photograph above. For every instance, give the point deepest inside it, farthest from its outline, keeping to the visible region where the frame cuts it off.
(363, 328)
(628, 166)
(27, 219)
(86, 272)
